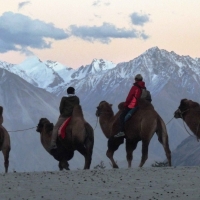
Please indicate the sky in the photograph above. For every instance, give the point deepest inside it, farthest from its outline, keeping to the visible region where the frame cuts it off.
(74, 32)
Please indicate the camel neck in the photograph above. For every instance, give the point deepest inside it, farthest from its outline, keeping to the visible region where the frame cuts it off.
(46, 141)
(106, 121)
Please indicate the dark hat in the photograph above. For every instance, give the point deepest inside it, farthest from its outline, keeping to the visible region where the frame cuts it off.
(138, 77)
(70, 90)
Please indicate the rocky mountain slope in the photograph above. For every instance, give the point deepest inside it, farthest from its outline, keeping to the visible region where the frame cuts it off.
(169, 77)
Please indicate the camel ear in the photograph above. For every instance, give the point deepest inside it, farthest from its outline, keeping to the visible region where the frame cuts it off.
(1, 110)
(183, 101)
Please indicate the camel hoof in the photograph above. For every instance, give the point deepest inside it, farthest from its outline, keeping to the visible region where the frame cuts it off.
(63, 165)
(115, 167)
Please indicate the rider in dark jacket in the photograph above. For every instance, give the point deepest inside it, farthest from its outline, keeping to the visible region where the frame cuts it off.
(66, 108)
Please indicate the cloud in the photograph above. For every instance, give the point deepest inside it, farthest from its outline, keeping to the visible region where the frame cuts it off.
(139, 19)
(99, 3)
(104, 33)
(19, 32)
(96, 3)
(22, 4)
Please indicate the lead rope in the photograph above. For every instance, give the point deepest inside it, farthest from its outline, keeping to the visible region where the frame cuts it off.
(23, 129)
(169, 121)
(96, 123)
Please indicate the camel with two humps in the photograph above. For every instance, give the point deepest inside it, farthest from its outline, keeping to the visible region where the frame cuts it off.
(79, 136)
(140, 127)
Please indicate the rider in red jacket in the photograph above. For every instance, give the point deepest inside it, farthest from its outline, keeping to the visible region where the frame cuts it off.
(131, 101)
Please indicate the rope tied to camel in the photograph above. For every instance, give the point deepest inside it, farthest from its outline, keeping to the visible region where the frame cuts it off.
(181, 113)
(169, 121)
(23, 129)
(96, 123)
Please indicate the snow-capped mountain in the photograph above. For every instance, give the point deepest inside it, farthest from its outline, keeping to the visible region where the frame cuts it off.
(169, 77)
(51, 75)
(24, 104)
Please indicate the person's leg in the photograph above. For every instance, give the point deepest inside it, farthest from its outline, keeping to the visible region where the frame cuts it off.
(55, 132)
(121, 119)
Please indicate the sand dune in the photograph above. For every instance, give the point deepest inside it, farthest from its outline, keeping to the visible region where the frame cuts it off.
(136, 183)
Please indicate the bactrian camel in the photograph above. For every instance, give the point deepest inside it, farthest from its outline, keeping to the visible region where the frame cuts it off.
(140, 127)
(79, 136)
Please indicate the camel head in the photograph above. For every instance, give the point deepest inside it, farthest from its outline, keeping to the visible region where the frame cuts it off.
(104, 107)
(182, 108)
(41, 124)
(185, 105)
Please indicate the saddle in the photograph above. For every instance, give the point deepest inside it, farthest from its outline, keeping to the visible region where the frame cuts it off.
(61, 130)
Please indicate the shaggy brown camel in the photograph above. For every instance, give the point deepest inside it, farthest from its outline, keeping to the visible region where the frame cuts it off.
(79, 136)
(4, 141)
(140, 127)
(189, 111)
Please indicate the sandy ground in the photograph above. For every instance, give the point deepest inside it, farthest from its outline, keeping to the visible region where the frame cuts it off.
(109, 184)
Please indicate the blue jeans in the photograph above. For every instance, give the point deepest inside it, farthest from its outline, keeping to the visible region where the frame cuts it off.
(125, 115)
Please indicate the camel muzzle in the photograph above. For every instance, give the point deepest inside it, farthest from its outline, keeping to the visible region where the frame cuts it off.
(178, 114)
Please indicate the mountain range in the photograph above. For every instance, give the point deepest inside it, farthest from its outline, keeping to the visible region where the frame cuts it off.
(32, 89)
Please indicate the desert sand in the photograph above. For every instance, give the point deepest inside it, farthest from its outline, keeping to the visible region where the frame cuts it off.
(103, 184)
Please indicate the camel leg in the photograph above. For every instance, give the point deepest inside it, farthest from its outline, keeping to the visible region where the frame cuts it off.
(63, 164)
(113, 145)
(87, 155)
(145, 146)
(60, 166)
(6, 152)
(110, 154)
(130, 147)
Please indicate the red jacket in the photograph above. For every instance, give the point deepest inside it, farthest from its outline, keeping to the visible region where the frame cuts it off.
(134, 94)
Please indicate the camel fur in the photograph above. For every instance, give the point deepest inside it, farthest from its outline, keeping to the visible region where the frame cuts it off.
(4, 141)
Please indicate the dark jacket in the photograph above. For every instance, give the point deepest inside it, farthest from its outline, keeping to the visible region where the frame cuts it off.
(67, 104)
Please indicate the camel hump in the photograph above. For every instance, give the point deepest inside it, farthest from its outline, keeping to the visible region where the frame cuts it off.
(77, 111)
(142, 103)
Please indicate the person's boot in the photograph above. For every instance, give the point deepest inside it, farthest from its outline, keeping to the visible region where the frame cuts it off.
(120, 134)
(53, 146)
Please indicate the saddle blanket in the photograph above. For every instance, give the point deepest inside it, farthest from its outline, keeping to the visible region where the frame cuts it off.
(61, 130)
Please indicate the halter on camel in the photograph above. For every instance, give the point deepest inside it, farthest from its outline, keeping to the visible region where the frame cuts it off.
(181, 114)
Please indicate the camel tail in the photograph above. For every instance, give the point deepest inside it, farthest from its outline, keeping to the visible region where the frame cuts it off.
(163, 138)
(89, 140)
(89, 143)
(89, 133)
(161, 131)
